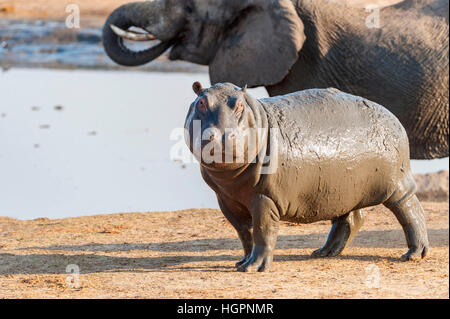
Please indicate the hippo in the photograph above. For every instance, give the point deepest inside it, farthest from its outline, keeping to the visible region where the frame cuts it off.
(308, 156)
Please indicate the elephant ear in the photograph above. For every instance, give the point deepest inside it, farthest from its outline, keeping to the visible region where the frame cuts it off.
(261, 46)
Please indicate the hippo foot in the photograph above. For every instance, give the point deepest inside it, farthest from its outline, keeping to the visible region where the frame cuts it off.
(415, 253)
(260, 260)
(242, 261)
(327, 251)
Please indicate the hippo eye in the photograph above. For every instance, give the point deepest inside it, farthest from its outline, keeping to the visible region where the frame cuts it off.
(201, 105)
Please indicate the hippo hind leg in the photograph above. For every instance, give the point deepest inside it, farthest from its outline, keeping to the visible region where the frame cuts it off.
(408, 211)
(342, 232)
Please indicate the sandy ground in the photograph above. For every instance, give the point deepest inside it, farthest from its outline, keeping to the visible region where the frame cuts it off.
(190, 254)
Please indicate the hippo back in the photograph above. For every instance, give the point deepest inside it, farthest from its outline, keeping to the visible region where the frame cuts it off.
(344, 151)
(330, 124)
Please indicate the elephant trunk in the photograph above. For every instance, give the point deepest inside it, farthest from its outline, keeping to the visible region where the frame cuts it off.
(152, 16)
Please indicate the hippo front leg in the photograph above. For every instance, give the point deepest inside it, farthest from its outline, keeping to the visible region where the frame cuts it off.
(266, 218)
(241, 220)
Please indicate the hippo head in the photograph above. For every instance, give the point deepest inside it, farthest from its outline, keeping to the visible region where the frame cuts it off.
(222, 128)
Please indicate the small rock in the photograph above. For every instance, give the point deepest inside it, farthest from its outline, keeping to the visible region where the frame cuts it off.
(5, 67)
(6, 8)
(44, 126)
(59, 108)
(35, 108)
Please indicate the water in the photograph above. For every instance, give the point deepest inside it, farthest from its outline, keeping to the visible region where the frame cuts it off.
(107, 150)
(50, 44)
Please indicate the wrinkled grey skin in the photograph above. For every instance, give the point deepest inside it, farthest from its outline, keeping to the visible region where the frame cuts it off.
(288, 46)
(337, 153)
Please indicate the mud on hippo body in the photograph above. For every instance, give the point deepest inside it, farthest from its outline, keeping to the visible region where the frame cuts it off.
(330, 153)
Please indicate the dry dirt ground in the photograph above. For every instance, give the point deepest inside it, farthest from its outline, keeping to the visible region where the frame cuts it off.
(191, 254)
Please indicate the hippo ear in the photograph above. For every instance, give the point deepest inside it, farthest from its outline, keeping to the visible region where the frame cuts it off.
(197, 87)
(238, 107)
(261, 46)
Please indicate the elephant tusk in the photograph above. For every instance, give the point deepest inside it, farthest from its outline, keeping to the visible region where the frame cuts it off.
(130, 35)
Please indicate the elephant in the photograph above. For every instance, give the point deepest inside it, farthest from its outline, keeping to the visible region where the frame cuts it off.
(396, 56)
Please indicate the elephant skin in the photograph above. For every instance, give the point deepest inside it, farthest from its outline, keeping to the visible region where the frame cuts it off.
(399, 60)
(331, 154)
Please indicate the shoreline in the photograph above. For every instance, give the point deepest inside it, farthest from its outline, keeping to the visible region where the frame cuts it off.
(432, 188)
(49, 44)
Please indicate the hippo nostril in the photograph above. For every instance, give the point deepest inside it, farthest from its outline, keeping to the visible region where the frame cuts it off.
(231, 136)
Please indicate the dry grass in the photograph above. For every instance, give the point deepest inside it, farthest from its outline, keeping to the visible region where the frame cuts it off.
(190, 254)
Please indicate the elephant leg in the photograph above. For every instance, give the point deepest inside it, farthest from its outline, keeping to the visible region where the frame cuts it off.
(342, 232)
(241, 222)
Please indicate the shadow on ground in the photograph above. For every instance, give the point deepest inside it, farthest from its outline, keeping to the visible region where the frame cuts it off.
(365, 239)
(94, 262)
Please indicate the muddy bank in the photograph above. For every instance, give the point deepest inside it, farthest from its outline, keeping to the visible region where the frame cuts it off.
(190, 254)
